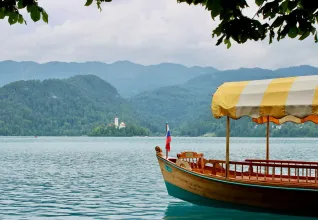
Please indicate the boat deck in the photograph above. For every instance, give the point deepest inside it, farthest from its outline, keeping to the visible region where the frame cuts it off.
(268, 172)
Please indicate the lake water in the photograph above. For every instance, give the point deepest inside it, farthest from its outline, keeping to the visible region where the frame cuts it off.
(115, 178)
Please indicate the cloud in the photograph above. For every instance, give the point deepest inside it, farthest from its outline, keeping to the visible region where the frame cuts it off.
(142, 31)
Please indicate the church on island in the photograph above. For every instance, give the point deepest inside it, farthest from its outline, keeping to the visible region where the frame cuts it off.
(121, 125)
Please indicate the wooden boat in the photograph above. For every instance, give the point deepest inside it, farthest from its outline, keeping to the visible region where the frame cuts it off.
(279, 186)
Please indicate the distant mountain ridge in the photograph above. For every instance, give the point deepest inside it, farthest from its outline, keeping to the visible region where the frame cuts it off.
(71, 106)
(129, 78)
(189, 101)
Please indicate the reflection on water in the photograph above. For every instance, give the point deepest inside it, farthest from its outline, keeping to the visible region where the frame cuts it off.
(185, 210)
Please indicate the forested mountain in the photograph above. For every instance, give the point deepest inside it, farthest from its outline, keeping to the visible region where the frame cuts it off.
(60, 107)
(205, 124)
(85, 104)
(187, 106)
(129, 78)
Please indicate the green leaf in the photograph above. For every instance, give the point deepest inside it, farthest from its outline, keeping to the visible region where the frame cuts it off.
(271, 36)
(45, 16)
(284, 7)
(306, 34)
(215, 8)
(259, 2)
(2, 13)
(292, 5)
(13, 18)
(292, 33)
(35, 14)
(279, 33)
(278, 22)
(20, 4)
(217, 31)
(243, 38)
(313, 29)
(228, 42)
(220, 40)
(29, 8)
(98, 5)
(229, 45)
(300, 5)
(20, 19)
(88, 2)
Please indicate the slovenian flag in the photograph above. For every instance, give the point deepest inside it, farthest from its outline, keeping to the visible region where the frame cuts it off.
(168, 138)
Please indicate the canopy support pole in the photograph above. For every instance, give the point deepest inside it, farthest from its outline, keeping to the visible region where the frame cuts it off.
(267, 142)
(227, 147)
(267, 139)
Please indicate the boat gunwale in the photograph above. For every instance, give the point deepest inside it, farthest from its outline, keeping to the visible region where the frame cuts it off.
(282, 161)
(270, 163)
(247, 183)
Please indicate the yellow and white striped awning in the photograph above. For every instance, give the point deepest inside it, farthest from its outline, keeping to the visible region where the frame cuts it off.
(282, 99)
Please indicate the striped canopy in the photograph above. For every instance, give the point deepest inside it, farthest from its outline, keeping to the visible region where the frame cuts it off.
(279, 100)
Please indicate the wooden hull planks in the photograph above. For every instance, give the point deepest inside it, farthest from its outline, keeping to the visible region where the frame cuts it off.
(209, 191)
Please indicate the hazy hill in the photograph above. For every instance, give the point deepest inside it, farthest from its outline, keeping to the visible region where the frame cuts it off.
(189, 103)
(59, 107)
(129, 78)
(75, 105)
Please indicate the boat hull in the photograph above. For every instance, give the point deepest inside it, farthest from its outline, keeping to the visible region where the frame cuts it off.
(209, 191)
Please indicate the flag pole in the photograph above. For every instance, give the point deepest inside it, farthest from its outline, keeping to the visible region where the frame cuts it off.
(166, 137)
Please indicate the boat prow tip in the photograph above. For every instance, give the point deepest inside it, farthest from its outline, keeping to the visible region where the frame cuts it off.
(158, 151)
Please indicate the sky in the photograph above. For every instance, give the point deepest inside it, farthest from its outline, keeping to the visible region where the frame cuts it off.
(145, 32)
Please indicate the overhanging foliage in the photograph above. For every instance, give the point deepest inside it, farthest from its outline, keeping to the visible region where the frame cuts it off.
(274, 18)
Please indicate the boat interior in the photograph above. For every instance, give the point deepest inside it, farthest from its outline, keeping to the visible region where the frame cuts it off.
(298, 173)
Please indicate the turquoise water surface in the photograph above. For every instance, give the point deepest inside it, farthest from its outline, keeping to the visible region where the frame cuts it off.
(116, 178)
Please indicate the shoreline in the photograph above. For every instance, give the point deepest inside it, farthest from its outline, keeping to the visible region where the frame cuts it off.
(176, 137)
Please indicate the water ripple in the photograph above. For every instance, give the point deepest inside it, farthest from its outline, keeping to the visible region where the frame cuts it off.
(110, 178)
